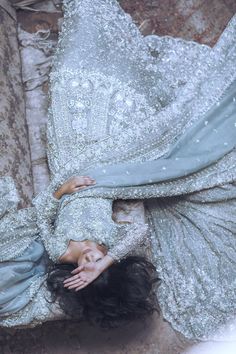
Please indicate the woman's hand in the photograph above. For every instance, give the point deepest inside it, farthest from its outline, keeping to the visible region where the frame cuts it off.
(87, 273)
(74, 184)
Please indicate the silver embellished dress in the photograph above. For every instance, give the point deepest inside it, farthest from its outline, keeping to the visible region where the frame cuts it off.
(149, 118)
(27, 233)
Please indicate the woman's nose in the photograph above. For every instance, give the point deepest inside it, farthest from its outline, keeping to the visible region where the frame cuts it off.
(89, 257)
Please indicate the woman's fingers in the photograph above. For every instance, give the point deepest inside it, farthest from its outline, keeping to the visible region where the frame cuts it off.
(80, 182)
(76, 189)
(68, 280)
(88, 180)
(83, 187)
(74, 282)
(75, 286)
(78, 269)
(81, 287)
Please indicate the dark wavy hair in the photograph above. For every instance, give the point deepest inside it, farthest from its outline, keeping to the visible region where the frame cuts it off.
(122, 293)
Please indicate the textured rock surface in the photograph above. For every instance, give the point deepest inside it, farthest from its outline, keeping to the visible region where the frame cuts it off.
(201, 20)
(36, 51)
(14, 147)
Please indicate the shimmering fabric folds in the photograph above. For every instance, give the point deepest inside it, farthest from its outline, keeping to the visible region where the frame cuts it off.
(18, 276)
(209, 140)
(193, 240)
(147, 118)
(151, 118)
(24, 298)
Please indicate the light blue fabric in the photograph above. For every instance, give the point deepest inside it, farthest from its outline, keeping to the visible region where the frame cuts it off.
(90, 116)
(24, 297)
(18, 275)
(212, 137)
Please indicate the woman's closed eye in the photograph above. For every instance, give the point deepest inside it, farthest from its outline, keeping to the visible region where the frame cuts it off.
(92, 258)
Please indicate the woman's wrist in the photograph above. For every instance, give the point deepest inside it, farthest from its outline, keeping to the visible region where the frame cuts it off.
(58, 193)
(74, 184)
(105, 263)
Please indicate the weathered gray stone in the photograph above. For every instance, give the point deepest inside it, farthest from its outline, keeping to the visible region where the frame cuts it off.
(36, 54)
(14, 147)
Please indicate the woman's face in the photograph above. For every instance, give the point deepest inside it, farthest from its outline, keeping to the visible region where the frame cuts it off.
(91, 252)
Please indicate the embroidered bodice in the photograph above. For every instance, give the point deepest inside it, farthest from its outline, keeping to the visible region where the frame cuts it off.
(84, 219)
(25, 232)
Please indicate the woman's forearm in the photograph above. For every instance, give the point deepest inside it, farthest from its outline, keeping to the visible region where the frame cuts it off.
(58, 194)
(105, 263)
(73, 184)
(131, 236)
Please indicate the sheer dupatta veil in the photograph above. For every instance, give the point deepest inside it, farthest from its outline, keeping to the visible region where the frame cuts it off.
(125, 107)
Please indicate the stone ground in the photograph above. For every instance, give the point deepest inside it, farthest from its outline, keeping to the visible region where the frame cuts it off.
(200, 20)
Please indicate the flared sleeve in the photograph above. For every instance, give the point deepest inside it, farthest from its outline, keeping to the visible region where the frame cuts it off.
(46, 209)
(8, 196)
(130, 236)
(18, 228)
(24, 298)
